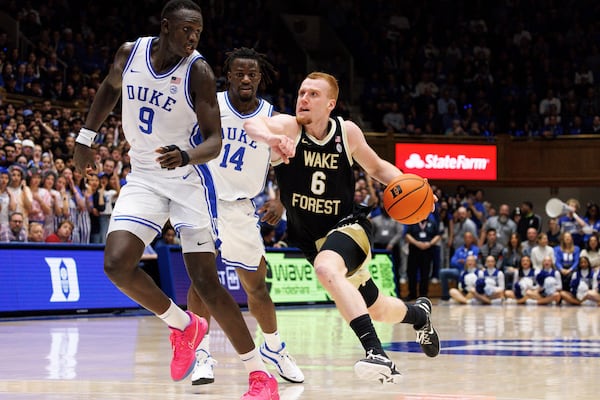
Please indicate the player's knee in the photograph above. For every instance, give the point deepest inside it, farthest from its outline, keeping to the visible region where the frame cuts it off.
(325, 275)
(116, 269)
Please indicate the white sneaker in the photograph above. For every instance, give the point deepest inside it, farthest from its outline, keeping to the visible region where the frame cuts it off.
(531, 302)
(203, 372)
(376, 367)
(285, 364)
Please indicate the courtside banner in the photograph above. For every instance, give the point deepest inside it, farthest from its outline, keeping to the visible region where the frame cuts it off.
(448, 161)
(291, 279)
(46, 277)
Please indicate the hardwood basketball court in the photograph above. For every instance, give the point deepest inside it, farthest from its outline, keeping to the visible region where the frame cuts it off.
(494, 352)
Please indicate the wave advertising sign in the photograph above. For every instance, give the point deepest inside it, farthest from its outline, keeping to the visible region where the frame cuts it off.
(448, 161)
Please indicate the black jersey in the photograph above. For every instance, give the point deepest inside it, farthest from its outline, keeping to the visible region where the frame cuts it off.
(317, 186)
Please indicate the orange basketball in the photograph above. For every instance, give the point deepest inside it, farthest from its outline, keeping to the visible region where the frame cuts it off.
(408, 199)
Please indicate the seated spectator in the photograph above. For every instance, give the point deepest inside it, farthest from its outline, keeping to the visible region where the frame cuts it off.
(489, 287)
(592, 219)
(524, 280)
(592, 250)
(528, 220)
(502, 223)
(553, 232)
(548, 284)
(511, 256)
(7, 201)
(580, 289)
(393, 120)
(491, 247)
(572, 223)
(457, 263)
(566, 255)
(15, 231)
(168, 237)
(530, 241)
(466, 282)
(36, 232)
(540, 251)
(459, 225)
(62, 234)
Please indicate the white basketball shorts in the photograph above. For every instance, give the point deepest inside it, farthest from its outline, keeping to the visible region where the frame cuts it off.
(189, 201)
(239, 234)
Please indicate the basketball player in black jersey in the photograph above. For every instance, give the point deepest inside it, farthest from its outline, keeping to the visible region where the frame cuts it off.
(313, 154)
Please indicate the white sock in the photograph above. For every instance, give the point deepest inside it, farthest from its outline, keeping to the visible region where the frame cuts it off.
(204, 344)
(273, 341)
(252, 361)
(175, 317)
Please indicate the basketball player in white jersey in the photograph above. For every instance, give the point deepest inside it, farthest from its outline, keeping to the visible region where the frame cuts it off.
(239, 174)
(313, 155)
(168, 97)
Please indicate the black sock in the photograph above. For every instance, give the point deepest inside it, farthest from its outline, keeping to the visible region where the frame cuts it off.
(415, 315)
(364, 330)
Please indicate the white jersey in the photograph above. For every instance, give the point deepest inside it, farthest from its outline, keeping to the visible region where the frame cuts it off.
(157, 108)
(240, 170)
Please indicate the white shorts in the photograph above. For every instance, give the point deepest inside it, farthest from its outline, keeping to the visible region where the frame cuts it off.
(239, 234)
(147, 201)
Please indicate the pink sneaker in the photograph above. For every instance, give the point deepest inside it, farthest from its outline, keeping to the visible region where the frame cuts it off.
(184, 344)
(263, 386)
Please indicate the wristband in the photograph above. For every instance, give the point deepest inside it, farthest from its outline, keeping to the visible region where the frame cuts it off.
(86, 137)
(185, 157)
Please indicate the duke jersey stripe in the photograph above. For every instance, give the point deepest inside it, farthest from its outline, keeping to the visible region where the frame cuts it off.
(240, 170)
(157, 109)
(317, 186)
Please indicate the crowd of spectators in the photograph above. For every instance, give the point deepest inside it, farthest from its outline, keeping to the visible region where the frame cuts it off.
(526, 68)
(460, 68)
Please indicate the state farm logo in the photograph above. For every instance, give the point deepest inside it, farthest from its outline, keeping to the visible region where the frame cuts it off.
(448, 161)
(434, 161)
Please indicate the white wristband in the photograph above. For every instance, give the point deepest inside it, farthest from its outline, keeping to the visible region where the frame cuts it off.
(86, 137)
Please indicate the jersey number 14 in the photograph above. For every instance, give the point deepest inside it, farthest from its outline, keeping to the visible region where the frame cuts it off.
(237, 158)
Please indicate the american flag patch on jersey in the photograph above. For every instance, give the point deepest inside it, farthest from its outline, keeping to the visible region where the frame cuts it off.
(175, 80)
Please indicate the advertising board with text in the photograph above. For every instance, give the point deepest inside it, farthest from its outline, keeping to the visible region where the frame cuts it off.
(448, 161)
(290, 278)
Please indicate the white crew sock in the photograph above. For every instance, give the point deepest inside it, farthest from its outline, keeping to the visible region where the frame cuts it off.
(175, 317)
(204, 344)
(252, 361)
(273, 341)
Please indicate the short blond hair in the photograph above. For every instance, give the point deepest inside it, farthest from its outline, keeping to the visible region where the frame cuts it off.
(330, 79)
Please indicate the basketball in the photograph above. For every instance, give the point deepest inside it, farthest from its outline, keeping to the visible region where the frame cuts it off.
(408, 199)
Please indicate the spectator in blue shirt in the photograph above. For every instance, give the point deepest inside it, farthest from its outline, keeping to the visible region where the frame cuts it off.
(457, 263)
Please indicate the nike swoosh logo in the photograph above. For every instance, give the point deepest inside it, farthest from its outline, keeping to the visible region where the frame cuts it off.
(134, 71)
(200, 244)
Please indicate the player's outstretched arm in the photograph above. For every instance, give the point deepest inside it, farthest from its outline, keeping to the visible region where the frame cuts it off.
(279, 132)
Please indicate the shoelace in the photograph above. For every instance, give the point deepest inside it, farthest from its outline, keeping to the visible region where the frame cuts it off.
(284, 354)
(423, 334)
(178, 344)
(257, 384)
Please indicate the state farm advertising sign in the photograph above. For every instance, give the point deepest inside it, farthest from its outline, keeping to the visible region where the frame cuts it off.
(448, 161)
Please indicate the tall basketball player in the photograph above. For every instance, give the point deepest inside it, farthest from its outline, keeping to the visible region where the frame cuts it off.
(168, 93)
(313, 156)
(239, 174)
